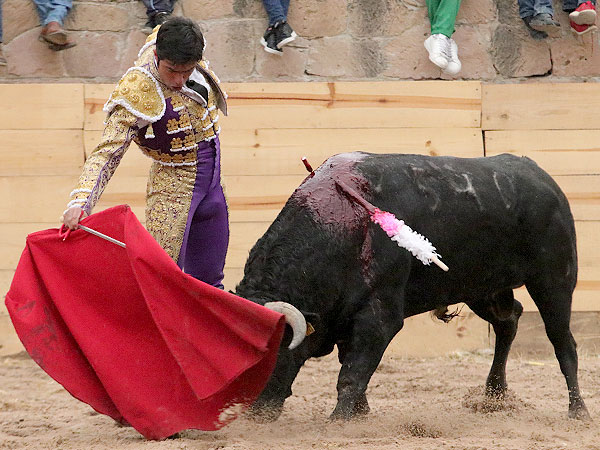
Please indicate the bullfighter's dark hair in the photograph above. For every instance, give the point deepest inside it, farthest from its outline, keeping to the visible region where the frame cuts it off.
(180, 41)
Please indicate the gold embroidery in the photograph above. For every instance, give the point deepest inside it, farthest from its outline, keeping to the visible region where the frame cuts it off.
(189, 140)
(139, 93)
(176, 144)
(176, 103)
(184, 121)
(172, 125)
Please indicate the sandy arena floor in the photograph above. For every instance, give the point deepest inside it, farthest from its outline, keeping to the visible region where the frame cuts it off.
(416, 404)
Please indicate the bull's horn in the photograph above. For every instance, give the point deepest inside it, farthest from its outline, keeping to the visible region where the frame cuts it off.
(293, 318)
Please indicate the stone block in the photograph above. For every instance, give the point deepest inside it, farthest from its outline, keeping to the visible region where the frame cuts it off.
(28, 57)
(98, 17)
(575, 56)
(516, 54)
(207, 9)
(473, 51)
(406, 57)
(18, 16)
(508, 12)
(286, 67)
(134, 42)
(345, 58)
(253, 9)
(96, 55)
(318, 18)
(477, 11)
(383, 17)
(231, 47)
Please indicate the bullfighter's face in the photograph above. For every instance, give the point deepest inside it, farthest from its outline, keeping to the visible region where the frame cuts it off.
(174, 75)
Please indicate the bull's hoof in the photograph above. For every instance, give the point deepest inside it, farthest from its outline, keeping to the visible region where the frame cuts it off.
(264, 414)
(580, 414)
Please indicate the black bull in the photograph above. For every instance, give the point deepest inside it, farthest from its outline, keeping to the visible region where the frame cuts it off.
(498, 222)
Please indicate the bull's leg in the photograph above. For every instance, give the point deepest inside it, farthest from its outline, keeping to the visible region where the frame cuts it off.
(502, 312)
(269, 405)
(372, 330)
(555, 308)
(362, 404)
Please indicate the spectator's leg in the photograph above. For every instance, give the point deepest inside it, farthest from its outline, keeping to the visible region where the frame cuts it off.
(275, 10)
(543, 7)
(285, 5)
(526, 8)
(442, 15)
(156, 6)
(53, 10)
(52, 17)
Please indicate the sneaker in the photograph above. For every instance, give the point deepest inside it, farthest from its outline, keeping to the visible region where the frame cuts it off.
(580, 30)
(161, 17)
(543, 22)
(535, 34)
(585, 14)
(149, 26)
(438, 47)
(2, 58)
(454, 64)
(269, 42)
(284, 34)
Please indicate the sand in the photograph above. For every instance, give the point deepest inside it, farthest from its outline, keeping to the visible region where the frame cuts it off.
(416, 404)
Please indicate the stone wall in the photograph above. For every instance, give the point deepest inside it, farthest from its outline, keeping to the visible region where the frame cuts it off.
(340, 40)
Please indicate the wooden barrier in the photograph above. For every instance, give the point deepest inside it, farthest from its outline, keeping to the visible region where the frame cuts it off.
(269, 129)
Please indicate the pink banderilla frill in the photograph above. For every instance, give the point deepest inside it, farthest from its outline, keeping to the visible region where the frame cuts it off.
(418, 245)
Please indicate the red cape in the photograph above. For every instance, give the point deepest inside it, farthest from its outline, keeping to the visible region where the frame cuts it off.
(126, 331)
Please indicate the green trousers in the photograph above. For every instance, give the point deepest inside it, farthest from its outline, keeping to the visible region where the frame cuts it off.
(442, 16)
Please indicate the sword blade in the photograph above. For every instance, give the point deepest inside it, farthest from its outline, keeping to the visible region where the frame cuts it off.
(103, 236)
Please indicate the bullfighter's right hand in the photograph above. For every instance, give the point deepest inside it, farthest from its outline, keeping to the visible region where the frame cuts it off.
(72, 216)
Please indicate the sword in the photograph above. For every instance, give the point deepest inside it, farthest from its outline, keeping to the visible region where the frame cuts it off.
(103, 236)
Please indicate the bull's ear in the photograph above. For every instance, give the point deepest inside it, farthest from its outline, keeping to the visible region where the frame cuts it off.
(313, 322)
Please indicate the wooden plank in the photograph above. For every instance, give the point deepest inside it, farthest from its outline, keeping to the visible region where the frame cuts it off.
(337, 105)
(6, 276)
(95, 96)
(540, 106)
(41, 106)
(279, 151)
(559, 152)
(532, 342)
(583, 193)
(40, 152)
(233, 275)
(239, 92)
(311, 114)
(243, 235)
(34, 199)
(12, 241)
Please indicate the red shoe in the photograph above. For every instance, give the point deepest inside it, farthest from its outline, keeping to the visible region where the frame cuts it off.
(585, 14)
(580, 30)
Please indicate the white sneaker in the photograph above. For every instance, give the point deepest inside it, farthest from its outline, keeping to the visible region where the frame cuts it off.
(454, 64)
(438, 47)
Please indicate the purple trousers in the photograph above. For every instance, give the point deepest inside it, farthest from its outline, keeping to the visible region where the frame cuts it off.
(206, 235)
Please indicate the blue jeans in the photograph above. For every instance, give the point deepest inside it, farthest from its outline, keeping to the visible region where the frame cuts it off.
(0, 21)
(53, 10)
(529, 8)
(276, 10)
